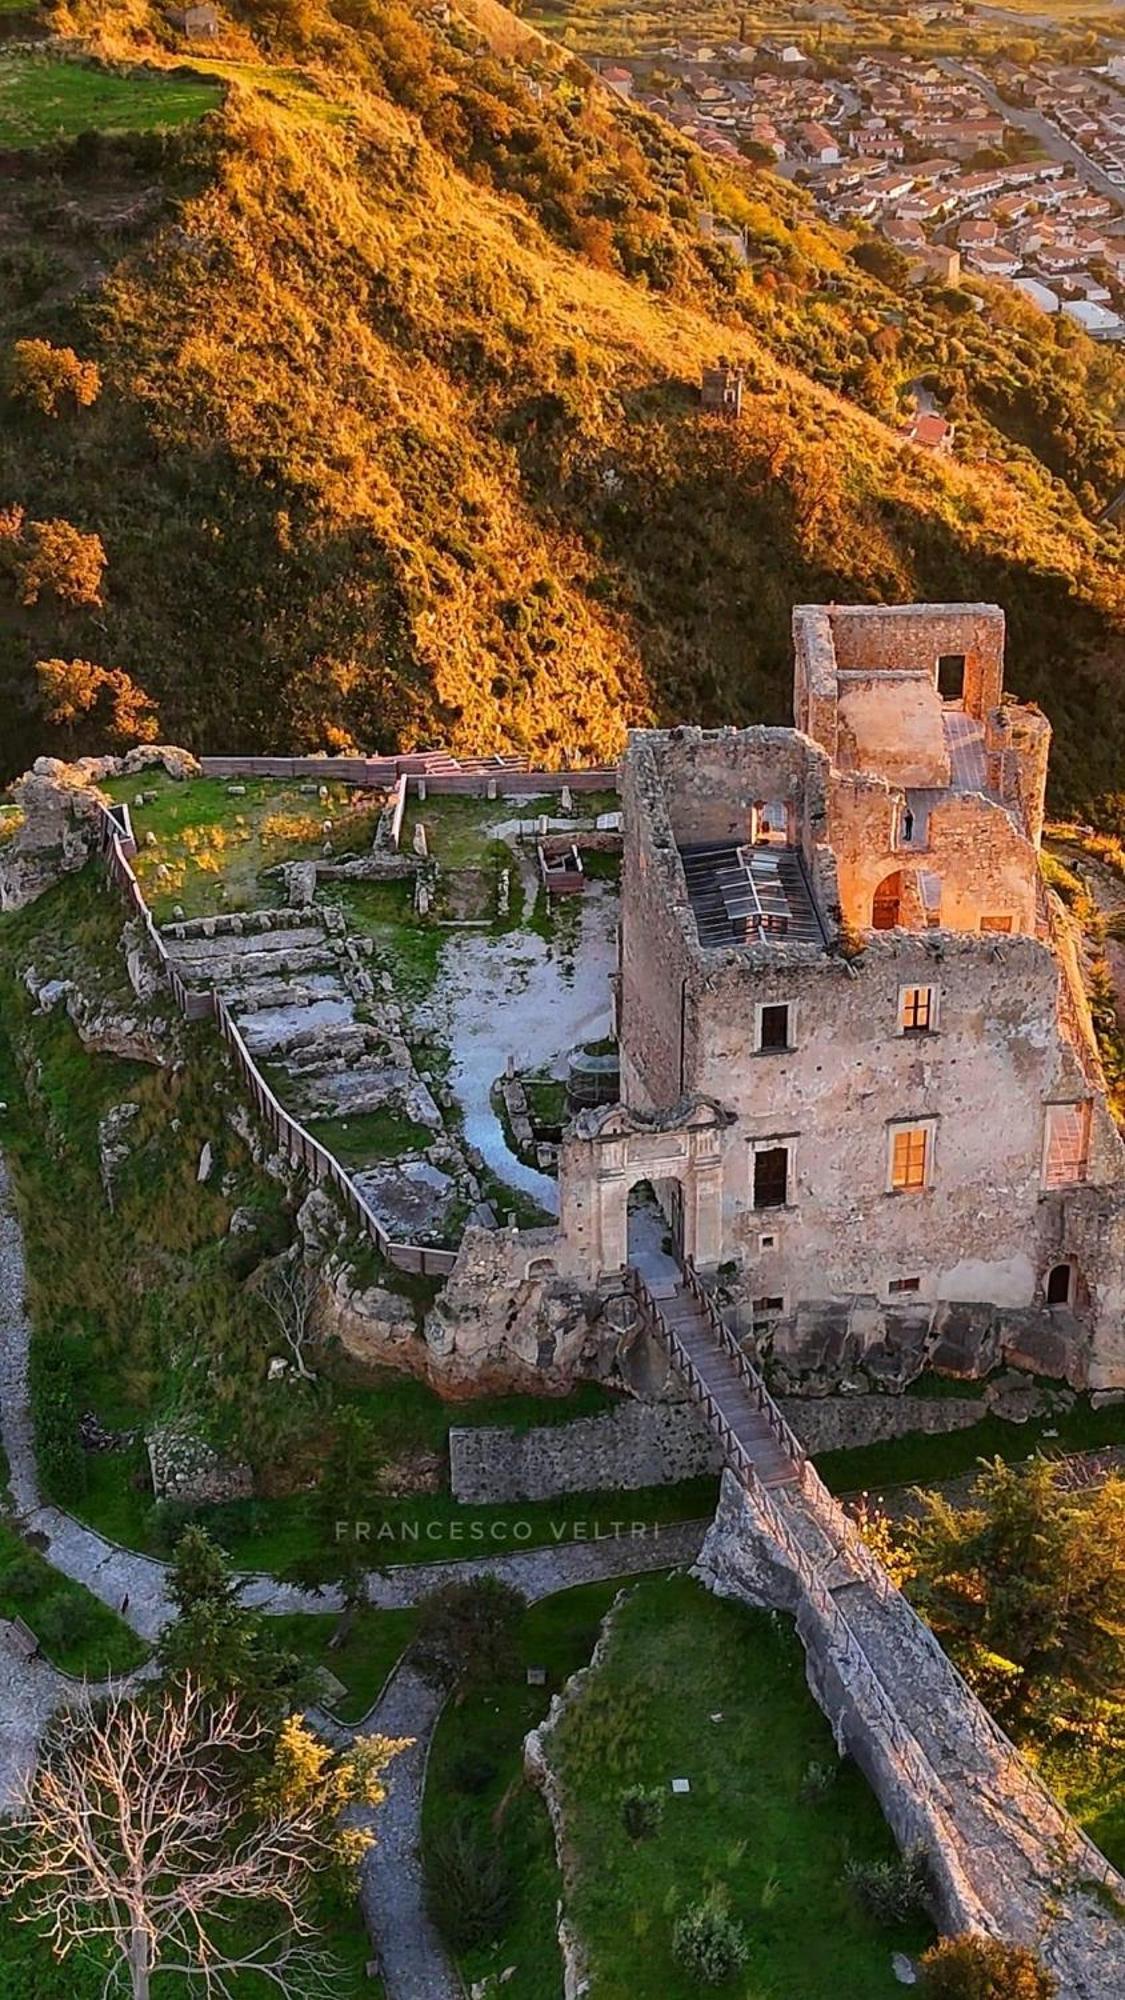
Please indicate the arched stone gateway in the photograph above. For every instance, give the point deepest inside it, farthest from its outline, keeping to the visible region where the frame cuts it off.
(612, 1149)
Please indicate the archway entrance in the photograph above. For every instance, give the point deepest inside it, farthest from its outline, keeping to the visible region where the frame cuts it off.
(655, 1228)
(1060, 1285)
(886, 904)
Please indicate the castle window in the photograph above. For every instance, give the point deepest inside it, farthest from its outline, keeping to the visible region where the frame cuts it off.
(898, 1286)
(1058, 1285)
(775, 1026)
(996, 924)
(771, 1176)
(951, 676)
(1066, 1144)
(766, 1312)
(917, 1010)
(911, 1158)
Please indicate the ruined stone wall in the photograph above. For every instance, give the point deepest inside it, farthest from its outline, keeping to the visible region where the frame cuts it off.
(709, 779)
(656, 1443)
(875, 638)
(654, 955)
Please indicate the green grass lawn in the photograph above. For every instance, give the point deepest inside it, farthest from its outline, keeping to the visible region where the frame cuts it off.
(370, 1135)
(694, 1687)
(486, 1731)
(922, 1460)
(211, 842)
(375, 1642)
(43, 99)
(74, 1628)
(273, 1535)
(459, 830)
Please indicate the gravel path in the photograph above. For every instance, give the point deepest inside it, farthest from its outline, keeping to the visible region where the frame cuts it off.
(408, 1951)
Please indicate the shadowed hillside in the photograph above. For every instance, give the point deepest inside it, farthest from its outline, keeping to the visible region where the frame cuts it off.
(397, 434)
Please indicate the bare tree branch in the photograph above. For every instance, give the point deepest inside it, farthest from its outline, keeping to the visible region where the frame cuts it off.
(138, 1832)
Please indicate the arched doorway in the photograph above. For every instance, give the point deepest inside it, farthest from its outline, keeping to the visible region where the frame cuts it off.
(886, 903)
(1060, 1285)
(656, 1228)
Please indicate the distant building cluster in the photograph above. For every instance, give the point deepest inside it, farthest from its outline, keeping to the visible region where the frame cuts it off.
(927, 154)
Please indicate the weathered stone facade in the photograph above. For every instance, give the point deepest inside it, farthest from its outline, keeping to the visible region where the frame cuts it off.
(857, 1062)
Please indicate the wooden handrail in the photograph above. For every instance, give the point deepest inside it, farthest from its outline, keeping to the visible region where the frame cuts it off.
(421, 1258)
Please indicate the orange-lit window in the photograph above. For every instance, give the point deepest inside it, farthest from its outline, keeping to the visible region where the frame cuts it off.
(918, 1010)
(1067, 1144)
(910, 1158)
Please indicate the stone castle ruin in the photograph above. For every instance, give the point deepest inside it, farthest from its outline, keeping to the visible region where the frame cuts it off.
(858, 1070)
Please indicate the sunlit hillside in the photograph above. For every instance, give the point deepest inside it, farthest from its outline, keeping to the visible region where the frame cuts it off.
(397, 435)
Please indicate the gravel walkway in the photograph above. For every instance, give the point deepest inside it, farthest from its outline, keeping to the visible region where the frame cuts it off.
(408, 1951)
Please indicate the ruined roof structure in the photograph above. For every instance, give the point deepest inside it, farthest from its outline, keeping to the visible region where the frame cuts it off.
(857, 1060)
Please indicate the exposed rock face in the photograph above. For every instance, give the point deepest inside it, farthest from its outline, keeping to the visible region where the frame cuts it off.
(502, 1318)
(185, 1467)
(59, 830)
(60, 803)
(103, 1026)
(113, 1143)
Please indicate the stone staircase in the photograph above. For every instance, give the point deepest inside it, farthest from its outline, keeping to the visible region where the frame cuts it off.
(1005, 1856)
(328, 1035)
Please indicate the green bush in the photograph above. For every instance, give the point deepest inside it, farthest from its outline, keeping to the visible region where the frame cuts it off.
(708, 1942)
(980, 1968)
(22, 1578)
(818, 1781)
(642, 1811)
(472, 1772)
(55, 1414)
(891, 1891)
(469, 1885)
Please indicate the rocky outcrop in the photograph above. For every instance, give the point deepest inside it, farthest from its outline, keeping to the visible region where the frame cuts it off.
(61, 808)
(102, 1023)
(61, 814)
(185, 1467)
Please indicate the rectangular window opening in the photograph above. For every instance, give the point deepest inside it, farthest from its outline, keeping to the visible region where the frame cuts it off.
(1067, 1144)
(771, 1177)
(951, 676)
(910, 1158)
(898, 1286)
(918, 1010)
(1003, 924)
(773, 1027)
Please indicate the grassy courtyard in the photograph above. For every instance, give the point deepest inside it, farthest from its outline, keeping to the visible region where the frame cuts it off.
(212, 850)
(697, 1688)
(42, 99)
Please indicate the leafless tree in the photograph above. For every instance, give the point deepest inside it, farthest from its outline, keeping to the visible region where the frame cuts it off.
(288, 1290)
(140, 1835)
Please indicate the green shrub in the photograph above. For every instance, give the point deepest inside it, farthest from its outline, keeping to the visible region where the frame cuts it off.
(818, 1781)
(469, 1885)
(642, 1810)
(22, 1578)
(891, 1891)
(472, 1772)
(980, 1968)
(708, 1942)
(55, 1414)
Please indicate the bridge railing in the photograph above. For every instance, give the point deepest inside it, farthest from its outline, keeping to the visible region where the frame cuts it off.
(753, 1380)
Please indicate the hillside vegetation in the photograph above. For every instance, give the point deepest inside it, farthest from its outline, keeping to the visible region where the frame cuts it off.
(396, 433)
